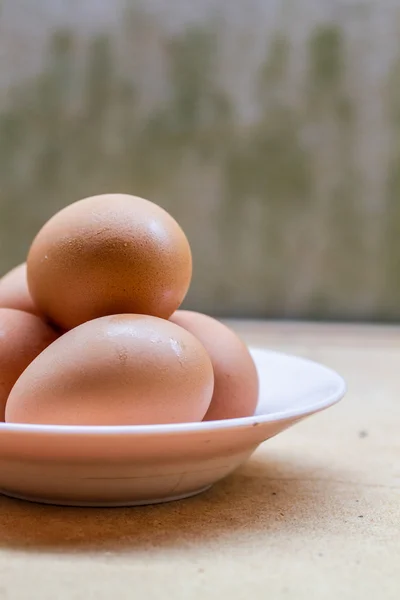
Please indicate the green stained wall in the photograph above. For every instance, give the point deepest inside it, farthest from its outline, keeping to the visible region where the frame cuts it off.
(287, 210)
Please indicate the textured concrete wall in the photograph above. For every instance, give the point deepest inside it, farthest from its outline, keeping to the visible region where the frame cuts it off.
(269, 128)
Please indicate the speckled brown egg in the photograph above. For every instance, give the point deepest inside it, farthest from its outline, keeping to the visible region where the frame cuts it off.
(14, 292)
(109, 254)
(22, 337)
(235, 375)
(117, 370)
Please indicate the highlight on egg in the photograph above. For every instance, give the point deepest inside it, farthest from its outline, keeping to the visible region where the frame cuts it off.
(23, 337)
(116, 370)
(236, 383)
(109, 254)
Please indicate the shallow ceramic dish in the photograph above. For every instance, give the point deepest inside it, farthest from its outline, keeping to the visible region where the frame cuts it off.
(132, 465)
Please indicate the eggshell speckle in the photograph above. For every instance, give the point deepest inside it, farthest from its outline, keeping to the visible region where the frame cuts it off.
(109, 254)
(14, 292)
(235, 375)
(117, 370)
(22, 337)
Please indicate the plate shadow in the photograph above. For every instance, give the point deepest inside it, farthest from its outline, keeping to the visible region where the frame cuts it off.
(263, 495)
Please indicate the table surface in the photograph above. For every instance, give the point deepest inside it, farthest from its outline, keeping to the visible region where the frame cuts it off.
(315, 513)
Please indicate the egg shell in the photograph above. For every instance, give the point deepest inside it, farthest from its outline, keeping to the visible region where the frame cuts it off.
(235, 376)
(23, 337)
(109, 254)
(117, 370)
(14, 292)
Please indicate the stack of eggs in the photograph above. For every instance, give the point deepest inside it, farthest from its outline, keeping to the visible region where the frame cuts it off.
(91, 334)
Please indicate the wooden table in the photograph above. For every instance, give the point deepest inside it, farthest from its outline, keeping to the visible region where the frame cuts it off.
(314, 514)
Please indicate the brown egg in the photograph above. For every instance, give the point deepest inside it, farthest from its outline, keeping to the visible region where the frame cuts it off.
(118, 370)
(109, 254)
(22, 337)
(14, 292)
(235, 375)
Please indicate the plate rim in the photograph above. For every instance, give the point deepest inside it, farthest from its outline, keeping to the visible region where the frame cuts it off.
(202, 426)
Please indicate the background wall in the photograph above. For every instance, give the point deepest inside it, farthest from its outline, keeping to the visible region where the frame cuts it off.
(269, 128)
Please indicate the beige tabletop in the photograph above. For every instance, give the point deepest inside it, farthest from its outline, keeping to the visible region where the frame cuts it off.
(314, 514)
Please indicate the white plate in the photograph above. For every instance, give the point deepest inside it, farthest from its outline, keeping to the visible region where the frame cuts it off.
(133, 465)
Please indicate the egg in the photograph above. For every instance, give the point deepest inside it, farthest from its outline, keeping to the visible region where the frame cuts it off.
(109, 254)
(116, 370)
(235, 375)
(14, 292)
(23, 337)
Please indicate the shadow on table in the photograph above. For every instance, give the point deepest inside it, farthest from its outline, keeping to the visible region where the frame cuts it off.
(261, 496)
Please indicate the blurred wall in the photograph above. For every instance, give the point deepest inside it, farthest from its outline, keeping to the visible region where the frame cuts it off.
(269, 128)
